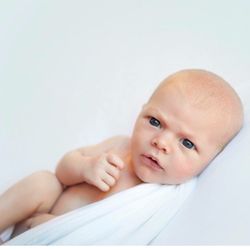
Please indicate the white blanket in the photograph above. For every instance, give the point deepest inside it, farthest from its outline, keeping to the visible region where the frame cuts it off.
(134, 216)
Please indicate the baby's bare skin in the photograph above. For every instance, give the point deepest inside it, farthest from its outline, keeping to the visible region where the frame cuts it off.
(83, 194)
(80, 195)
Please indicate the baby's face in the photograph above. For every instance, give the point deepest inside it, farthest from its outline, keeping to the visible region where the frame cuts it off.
(180, 137)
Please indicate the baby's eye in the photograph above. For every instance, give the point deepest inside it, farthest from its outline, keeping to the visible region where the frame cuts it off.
(154, 122)
(188, 144)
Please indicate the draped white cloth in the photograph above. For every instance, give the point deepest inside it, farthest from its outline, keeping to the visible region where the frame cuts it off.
(131, 217)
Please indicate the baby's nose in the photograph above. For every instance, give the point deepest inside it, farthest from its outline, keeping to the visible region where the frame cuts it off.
(161, 144)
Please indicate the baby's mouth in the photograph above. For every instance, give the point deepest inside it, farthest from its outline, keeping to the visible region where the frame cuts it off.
(152, 162)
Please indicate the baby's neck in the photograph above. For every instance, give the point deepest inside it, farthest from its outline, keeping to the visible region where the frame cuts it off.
(128, 174)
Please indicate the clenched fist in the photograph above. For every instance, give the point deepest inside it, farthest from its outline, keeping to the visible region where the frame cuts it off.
(104, 171)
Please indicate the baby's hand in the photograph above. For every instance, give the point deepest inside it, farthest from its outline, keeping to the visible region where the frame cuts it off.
(105, 171)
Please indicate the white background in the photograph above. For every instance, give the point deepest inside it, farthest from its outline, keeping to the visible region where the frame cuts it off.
(74, 72)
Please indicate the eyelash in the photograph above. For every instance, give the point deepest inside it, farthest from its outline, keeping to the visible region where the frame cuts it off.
(182, 140)
(152, 118)
(192, 147)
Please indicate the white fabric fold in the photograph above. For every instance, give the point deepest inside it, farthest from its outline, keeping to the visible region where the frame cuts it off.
(131, 217)
(6, 234)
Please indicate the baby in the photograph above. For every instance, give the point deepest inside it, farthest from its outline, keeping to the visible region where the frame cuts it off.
(186, 122)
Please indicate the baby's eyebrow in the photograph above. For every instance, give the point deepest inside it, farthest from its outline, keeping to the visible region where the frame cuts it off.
(158, 113)
(186, 134)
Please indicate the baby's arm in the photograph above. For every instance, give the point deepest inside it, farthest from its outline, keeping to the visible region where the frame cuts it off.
(97, 165)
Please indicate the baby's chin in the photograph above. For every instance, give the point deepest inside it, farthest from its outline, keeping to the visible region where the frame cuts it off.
(144, 177)
(168, 181)
(148, 177)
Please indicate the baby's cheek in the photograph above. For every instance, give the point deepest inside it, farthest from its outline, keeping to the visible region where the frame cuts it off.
(192, 170)
(183, 171)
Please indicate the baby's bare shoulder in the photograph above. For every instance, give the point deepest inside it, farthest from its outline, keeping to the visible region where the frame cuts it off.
(120, 139)
(116, 143)
(113, 143)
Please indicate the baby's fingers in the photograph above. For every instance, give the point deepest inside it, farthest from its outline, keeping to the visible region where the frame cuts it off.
(109, 180)
(115, 160)
(103, 186)
(113, 171)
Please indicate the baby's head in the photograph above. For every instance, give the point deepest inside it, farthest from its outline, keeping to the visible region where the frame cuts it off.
(187, 121)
